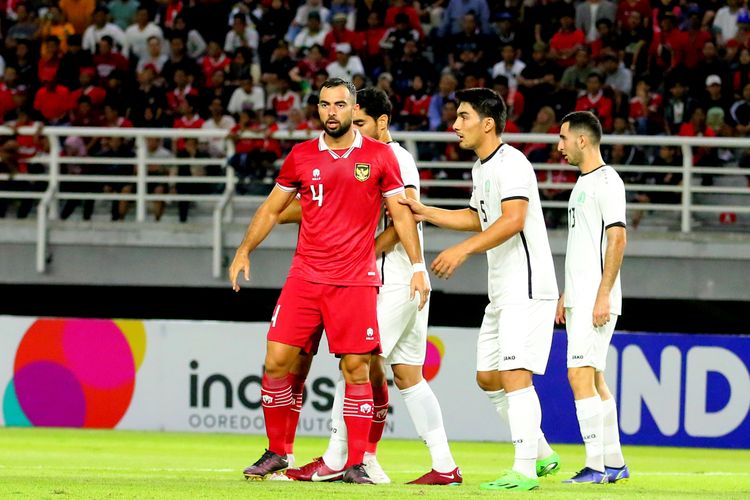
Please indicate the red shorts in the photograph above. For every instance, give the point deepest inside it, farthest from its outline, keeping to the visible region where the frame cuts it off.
(347, 313)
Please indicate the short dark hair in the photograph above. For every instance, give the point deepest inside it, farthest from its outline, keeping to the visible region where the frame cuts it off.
(375, 102)
(487, 103)
(338, 82)
(585, 120)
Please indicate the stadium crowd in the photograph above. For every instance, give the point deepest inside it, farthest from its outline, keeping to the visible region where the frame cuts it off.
(643, 66)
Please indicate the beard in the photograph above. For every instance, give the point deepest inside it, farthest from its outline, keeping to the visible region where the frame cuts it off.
(340, 131)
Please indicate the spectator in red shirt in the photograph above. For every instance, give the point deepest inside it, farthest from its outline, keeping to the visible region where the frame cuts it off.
(182, 89)
(625, 7)
(53, 102)
(50, 61)
(84, 114)
(215, 59)
(340, 34)
(188, 119)
(372, 54)
(8, 89)
(645, 110)
(400, 7)
(668, 47)
(595, 101)
(417, 105)
(697, 37)
(697, 127)
(87, 88)
(566, 41)
(107, 61)
(283, 99)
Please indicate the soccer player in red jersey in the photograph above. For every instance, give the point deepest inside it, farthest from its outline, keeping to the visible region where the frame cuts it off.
(341, 177)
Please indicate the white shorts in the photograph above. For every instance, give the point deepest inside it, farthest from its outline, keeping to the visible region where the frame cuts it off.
(587, 344)
(403, 328)
(517, 336)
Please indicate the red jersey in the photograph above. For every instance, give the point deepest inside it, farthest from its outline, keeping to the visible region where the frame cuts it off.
(97, 95)
(600, 105)
(341, 196)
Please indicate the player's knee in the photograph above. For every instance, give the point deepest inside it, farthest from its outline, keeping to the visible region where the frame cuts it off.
(356, 370)
(377, 374)
(276, 367)
(406, 376)
(487, 382)
(581, 380)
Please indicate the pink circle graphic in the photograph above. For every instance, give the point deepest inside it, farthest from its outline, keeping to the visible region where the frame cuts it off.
(433, 358)
(98, 353)
(74, 373)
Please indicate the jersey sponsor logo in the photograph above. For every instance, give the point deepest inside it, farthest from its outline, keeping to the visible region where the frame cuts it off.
(365, 408)
(577, 356)
(267, 399)
(316, 174)
(361, 171)
(581, 198)
(508, 358)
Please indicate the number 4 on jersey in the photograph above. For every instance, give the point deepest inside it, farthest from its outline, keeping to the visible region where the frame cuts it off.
(317, 196)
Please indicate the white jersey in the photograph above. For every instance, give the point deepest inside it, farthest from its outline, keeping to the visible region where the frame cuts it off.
(596, 204)
(521, 268)
(395, 266)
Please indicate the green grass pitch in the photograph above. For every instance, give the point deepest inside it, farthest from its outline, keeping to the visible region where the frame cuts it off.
(65, 463)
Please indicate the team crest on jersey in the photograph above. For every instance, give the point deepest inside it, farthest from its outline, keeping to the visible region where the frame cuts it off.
(316, 174)
(581, 198)
(486, 186)
(361, 171)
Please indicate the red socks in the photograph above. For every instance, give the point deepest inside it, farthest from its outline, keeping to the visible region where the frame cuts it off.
(380, 412)
(276, 396)
(358, 409)
(298, 387)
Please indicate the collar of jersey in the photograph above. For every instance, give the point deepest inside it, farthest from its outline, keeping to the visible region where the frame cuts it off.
(322, 146)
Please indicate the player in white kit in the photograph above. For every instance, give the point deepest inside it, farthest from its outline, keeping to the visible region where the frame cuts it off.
(403, 334)
(516, 333)
(592, 299)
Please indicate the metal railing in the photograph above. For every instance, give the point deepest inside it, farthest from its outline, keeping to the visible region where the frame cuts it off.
(224, 202)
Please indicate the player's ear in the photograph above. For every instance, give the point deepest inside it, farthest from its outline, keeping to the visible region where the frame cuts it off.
(488, 124)
(382, 122)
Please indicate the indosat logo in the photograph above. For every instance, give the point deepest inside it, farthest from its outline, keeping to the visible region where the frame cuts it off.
(74, 373)
(433, 358)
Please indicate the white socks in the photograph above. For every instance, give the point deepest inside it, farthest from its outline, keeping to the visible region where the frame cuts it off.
(612, 450)
(337, 452)
(591, 422)
(427, 417)
(500, 401)
(525, 418)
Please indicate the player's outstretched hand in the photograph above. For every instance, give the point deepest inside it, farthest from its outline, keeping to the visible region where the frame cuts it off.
(240, 264)
(560, 312)
(420, 283)
(417, 208)
(448, 261)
